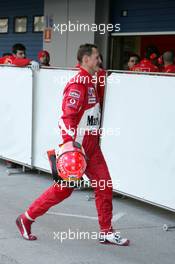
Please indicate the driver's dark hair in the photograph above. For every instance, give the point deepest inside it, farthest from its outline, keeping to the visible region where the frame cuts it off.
(85, 49)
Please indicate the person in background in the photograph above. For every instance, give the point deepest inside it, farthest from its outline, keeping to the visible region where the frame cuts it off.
(18, 58)
(168, 62)
(19, 51)
(153, 53)
(148, 64)
(44, 58)
(133, 60)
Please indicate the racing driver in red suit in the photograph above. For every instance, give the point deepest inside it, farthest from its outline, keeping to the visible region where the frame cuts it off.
(80, 110)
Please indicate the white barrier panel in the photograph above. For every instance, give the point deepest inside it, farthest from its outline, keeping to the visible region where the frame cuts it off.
(48, 89)
(16, 114)
(142, 159)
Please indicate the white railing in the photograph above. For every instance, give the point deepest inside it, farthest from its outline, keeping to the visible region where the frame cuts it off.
(138, 127)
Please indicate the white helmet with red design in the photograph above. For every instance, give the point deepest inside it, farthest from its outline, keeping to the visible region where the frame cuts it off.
(71, 161)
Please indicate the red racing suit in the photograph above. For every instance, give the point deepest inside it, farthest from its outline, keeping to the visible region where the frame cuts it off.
(21, 62)
(100, 82)
(145, 65)
(80, 122)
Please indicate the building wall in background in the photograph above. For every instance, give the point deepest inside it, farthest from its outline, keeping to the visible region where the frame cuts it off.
(57, 47)
(102, 12)
(145, 15)
(29, 8)
(63, 48)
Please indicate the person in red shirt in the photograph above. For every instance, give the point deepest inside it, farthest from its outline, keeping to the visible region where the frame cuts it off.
(168, 62)
(148, 64)
(80, 112)
(18, 57)
(44, 58)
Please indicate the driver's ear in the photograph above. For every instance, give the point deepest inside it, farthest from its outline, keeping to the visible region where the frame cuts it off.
(85, 58)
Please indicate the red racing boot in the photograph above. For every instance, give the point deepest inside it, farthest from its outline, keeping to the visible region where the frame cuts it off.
(24, 226)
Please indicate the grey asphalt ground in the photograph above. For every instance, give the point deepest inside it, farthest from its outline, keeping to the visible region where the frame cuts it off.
(140, 222)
